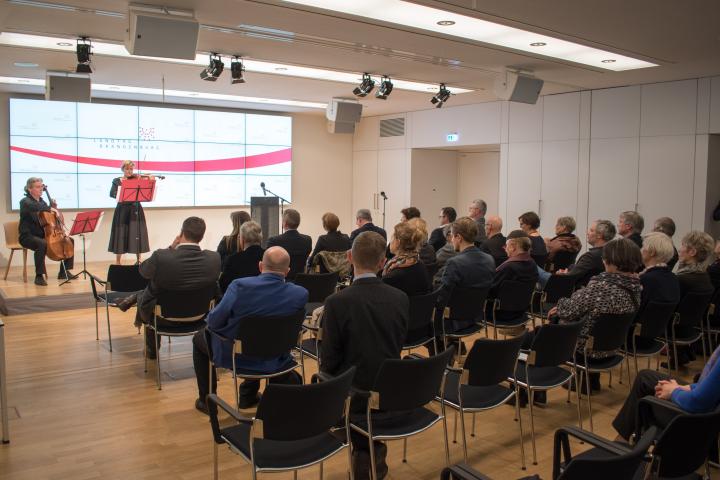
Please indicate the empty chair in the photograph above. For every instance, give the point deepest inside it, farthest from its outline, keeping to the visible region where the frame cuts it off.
(687, 325)
(121, 281)
(420, 326)
(463, 315)
(319, 287)
(278, 438)
(557, 287)
(12, 241)
(649, 336)
(480, 384)
(510, 306)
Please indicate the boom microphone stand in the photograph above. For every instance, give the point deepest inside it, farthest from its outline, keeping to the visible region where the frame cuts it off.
(283, 201)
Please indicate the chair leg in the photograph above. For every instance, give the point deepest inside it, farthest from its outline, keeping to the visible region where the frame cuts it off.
(145, 347)
(7, 269)
(215, 461)
(464, 439)
(445, 433)
(294, 474)
(107, 316)
(455, 426)
(157, 361)
(519, 416)
(373, 471)
(321, 470)
(589, 398)
(97, 322)
(532, 422)
(472, 432)
(577, 393)
(609, 379)
(702, 340)
(405, 450)
(25, 265)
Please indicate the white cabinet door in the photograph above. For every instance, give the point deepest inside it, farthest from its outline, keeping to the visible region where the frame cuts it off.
(613, 177)
(523, 181)
(365, 175)
(394, 180)
(559, 186)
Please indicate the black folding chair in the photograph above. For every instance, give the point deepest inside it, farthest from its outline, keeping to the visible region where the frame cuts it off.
(121, 281)
(649, 335)
(261, 338)
(542, 368)
(277, 439)
(557, 287)
(479, 385)
(420, 326)
(403, 386)
(463, 315)
(319, 287)
(608, 334)
(687, 326)
(713, 320)
(510, 306)
(562, 259)
(178, 314)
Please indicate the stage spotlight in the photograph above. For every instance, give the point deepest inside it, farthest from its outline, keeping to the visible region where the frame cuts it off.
(365, 87)
(440, 97)
(83, 52)
(384, 89)
(214, 68)
(236, 70)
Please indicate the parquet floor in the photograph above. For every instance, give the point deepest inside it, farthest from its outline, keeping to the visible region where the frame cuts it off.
(78, 411)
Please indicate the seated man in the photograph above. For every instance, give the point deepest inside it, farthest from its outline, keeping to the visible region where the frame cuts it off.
(495, 243)
(363, 220)
(363, 325)
(266, 295)
(437, 237)
(245, 262)
(297, 245)
(700, 397)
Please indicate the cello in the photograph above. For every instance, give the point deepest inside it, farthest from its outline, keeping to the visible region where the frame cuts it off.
(59, 245)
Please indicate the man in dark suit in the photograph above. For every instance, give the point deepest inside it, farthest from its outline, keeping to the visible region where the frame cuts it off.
(363, 220)
(630, 225)
(590, 263)
(295, 243)
(495, 243)
(519, 267)
(363, 325)
(244, 263)
(437, 237)
(476, 211)
(265, 295)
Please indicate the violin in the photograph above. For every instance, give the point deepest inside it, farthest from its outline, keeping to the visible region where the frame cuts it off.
(59, 245)
(144, 175)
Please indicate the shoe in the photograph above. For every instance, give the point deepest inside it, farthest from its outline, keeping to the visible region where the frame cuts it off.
(200, 406)
(249, 402)
(126, 303)
(40, 280)
(62, 276)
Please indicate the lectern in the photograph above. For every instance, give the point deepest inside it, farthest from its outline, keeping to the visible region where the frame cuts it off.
(266, 212)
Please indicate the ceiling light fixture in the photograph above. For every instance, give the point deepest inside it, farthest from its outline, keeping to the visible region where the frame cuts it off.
(384, 89)
(236, 70)
(64, 44)
(25, 64)
(365, 87)
(538, 44)
(609, 60)
(214, 68)
(445, 23)
(441, 96)
(83, 51)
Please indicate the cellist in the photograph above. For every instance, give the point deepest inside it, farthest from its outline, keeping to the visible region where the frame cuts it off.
(32, 235)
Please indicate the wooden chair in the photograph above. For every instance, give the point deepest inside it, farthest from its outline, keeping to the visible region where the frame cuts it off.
(12, 241)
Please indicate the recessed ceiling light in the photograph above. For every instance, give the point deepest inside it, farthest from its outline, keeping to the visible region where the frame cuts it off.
(113, 87)
(64, 44)
(281, 69)
(193, 94)
(25, 64)
(609, 60)
(538, 44)
(23, 80)
(445, 23)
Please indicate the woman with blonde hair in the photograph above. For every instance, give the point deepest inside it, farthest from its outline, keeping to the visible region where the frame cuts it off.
(425, 250)
(405, 271)
(128, 233)
(231, 243)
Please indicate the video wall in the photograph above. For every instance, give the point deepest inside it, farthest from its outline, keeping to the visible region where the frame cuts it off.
(208, 158)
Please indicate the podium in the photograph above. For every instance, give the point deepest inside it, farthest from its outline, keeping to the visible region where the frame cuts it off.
(266, 212)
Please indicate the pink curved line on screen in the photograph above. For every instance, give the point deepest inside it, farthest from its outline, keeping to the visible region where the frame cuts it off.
(234, 163)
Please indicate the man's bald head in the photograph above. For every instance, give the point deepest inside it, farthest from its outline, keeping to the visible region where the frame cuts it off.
(493, 225)
(275, 260)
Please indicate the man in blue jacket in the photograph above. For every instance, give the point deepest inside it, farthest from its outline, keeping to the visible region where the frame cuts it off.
(266, 295)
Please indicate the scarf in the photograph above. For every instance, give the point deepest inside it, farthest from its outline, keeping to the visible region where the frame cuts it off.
(401, 260)
(690, 268)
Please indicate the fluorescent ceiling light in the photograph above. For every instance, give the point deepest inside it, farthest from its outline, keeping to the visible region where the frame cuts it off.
(257, 66)
(448, 23)
(99, 87)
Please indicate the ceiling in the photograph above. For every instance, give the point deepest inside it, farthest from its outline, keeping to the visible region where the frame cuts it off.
(682, 38)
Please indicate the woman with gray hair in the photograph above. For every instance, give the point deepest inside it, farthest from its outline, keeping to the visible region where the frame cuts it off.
(658, 282)
(244, 263)
(563, 241)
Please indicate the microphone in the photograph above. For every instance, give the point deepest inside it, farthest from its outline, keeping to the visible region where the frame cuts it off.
(262, 185)
(383, 195)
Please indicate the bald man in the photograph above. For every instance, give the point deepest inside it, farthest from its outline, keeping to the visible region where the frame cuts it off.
(266, 295)
(495, 243)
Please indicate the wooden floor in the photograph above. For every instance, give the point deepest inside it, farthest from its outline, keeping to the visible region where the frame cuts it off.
(78, 411)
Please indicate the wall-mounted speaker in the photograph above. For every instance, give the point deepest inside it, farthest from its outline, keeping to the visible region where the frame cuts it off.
(517, 87)
(342, 115)
(67, 87)
(153, 34)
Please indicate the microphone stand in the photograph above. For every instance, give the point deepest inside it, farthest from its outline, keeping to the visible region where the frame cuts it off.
(384, 200)
(283, 201)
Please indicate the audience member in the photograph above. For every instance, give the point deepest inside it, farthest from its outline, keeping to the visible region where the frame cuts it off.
(630, 225)
(666, 225)
(363, 220)
(529, 223)
(441, 257)
(477, 211)
(519, 267)
(409, 213)
(296, 244)
(590, 263)
(425, 250)
(333, 241)
(244, 263)
(495, 243)
(231, 243)
(564, 240)
(658, 282)
(363, 325)
(266, 295)
(714, 269)
(437, 237)
(405, 271)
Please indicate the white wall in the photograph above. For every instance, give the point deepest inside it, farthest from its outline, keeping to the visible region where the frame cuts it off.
(478, 176)
(433, 182)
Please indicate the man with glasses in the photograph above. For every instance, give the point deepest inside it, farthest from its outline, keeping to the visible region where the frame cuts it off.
(437, 237)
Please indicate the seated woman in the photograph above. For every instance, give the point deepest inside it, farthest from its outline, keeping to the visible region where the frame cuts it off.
(564, 241)
(529, 223)
(405, 271)
(244, 263)
(333, 241)
(658, 282)
(230, 243)
(441, 256)
(714, 269)
(425, 250)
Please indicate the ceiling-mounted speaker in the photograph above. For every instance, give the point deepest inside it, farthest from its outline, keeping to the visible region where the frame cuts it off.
(67, 87)
(161, 33)
(518, 87)
(342, 115)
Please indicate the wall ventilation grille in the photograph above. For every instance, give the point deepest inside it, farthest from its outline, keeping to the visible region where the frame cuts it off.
(393, 127)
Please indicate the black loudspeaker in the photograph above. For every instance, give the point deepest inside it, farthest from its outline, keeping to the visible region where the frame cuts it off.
(161, 35)
(65, 88)
(517, 87)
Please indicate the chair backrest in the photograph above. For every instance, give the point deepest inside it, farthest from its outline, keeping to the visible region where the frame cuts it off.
(297, 265)
(609, 331)
(268, 337)
(654, 319)
(411, 383)
(295, 412)
(609, 466)
(421, 316)
(514, 296)
(125, 278)
(563, 259)
(492, 361)
(12, 233)
(467, 303)
(319, 285)
(554, 344)
(559, 286)
(692, 307)
(185, 305)
(432, 269)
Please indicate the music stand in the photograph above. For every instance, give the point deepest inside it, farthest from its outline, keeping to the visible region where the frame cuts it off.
(84, 223)
(136, 190)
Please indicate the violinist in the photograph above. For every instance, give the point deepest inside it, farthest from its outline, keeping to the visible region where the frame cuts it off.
(128, 233)
(32, 235)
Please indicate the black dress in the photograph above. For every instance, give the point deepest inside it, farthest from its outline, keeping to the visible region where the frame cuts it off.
(128, 233)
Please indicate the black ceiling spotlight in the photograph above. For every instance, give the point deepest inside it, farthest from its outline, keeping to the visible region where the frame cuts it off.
(384, 88)
(236, 70)
(365, 87)
(83, 52)
(440, 97)
(214, 68)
